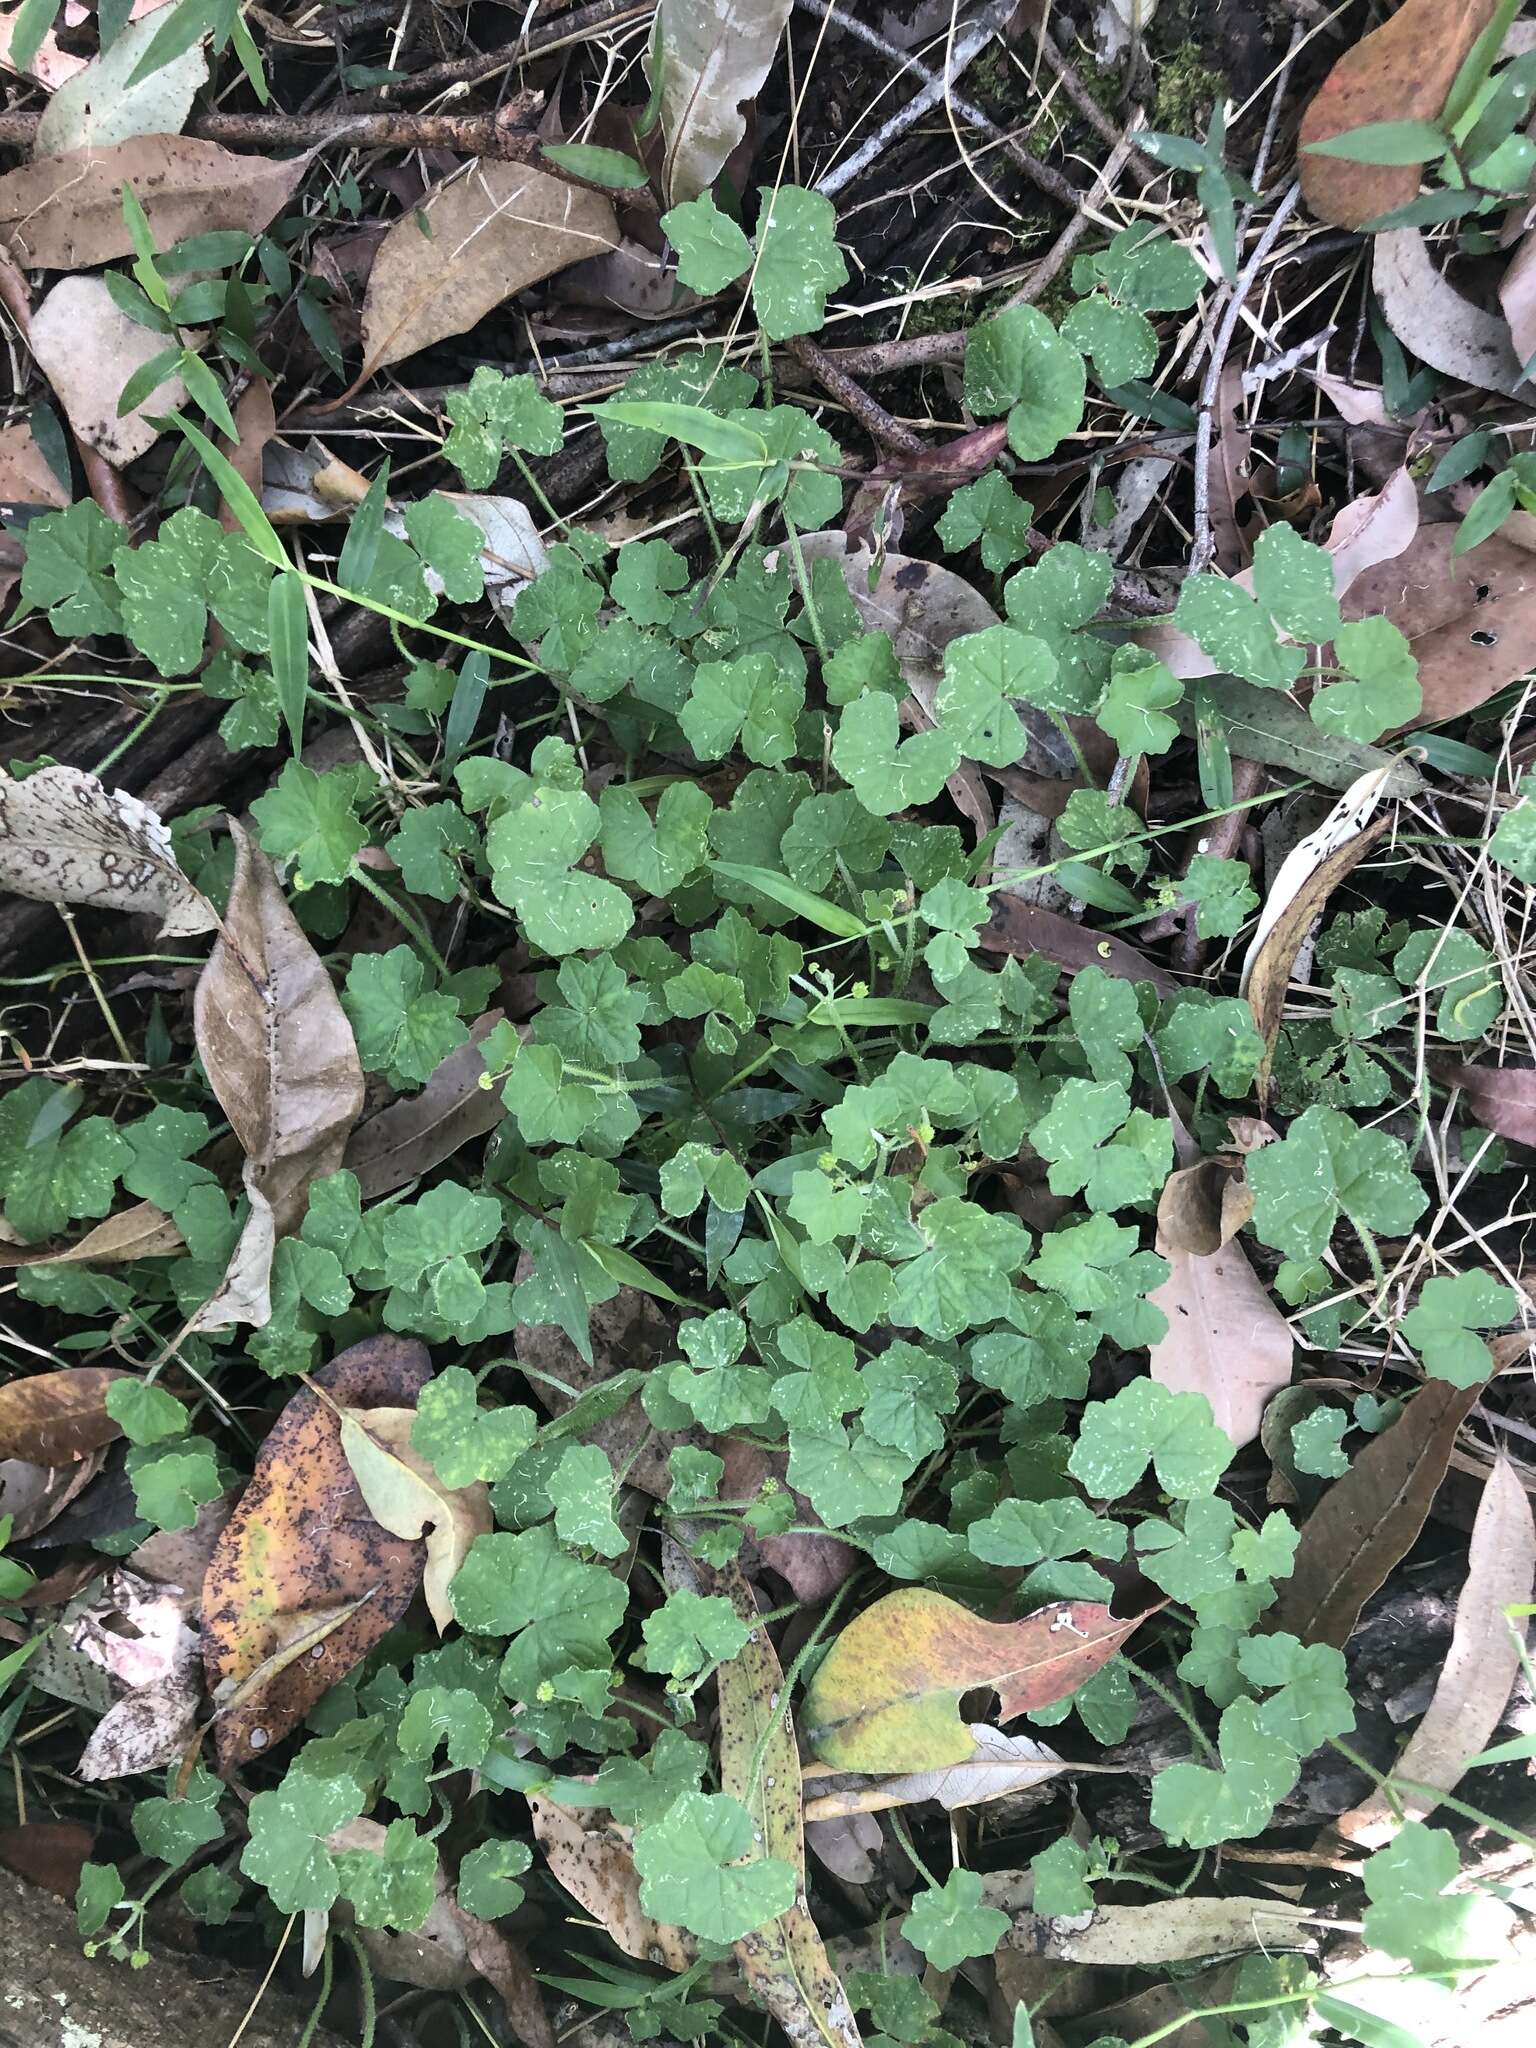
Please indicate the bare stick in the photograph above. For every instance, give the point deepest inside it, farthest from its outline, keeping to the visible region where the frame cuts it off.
(966, 50)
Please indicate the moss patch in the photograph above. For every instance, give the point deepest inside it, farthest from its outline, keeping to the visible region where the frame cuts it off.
(1187, 89)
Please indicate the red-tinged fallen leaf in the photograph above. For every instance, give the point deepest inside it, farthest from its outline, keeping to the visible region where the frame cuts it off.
(1370, 1518)
(1503, 1099)
(1023, 928)
(55, 1417)
(48, 1853)
(301, 1543)
(1401, 71)
(886, 1697)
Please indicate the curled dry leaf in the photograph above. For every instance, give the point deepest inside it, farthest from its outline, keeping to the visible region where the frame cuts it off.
(498, 228)
(1503, 1099)
(1470, 619)
(420, 1131)
(1517, 295)
(301, 486)
(997, 1765)
(1479, 1672)
(1429, 316)
(66, 838)
(138, 1634)
(142, 1232)
(1400, 71)
(714, 56)
(594, 1863)
(256, 423)
(886, 1695)
(300, 1544)
(406, 1497)
(1368, 1519)
(1141, 1937)
(55, 1417)
(104, 104)
(66, 212)
(1308, 876)
(280, 1056)
(785, 1962)
(1226, 1338)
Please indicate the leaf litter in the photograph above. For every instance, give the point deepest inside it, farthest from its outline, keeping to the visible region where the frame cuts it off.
(637, 1287)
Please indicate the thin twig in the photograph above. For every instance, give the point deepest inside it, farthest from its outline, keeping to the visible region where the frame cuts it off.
(1051, 262)
(602, 15)
(964, 54)
(1205, 539)
(877, 422)
(1088, 107)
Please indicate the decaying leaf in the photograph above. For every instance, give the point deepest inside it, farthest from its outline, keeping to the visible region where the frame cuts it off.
(420, 1131)
(1367, 1519)
(593, 1861)
(137, 1633)
(53, 1418)
(406, 1497)
(280, 1056)
(886, 1695)
(785, 1962)
(300, 1543)
(714, 56)
(303, 485)
(32, 1495)
(1501, 1099)
(1270, 726)
(498, 228)
(1517, 295)
(256, 424)
(1479, 1672)
(26, 476)
(104, 104)
(47, 1853)
(997, 1766)
(50, 65)
(1429, 316)
(1226, 1338)
(1469, 619)
(142, 1232)
(1141, 1937)
(1308, 876)
(1400, 71)
(66, 212)
(66, 838)
(1023, 928)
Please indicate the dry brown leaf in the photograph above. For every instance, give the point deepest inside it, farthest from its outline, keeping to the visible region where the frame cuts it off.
(594, 1863)
(32, 1495)
(50, 66)
(304, 485)
(1503, 1099)
(47, 1853)
(1470, 619)
(1368, 1519)
(300, 1544)
(1141, 1937)
(142, 1232)
(257, 423)
(419, 1132)
(1024, 928)
(55, 1417)
(1400, 71)
(497, 229)
(406, 1497)
(66, 838)
(632, 278)
(1479, 1672)
(1429, 316)
(1517, 295)
(66, 212)
(714, 56)
(138, 1634)
(104, 104)
(280, 1056)
(179, 1558)
(1226, 1339)
(25, 475)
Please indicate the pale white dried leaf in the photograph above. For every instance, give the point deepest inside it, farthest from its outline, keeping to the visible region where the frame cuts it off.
(88, 348)
(714, 57)
(244, 1295)
(146, 1730)
(302, 486)
(595, 1864)
(100, 105)
(1479, 1671)
(1136, 1937)
(1226, 1339)
(66, 838)
(405, 1496)
(66, 212)
(50, 65)
(497, 229)
(1346, 821)
(140, 1232)
(998, 1765)
(1432, 319)
(513, 554)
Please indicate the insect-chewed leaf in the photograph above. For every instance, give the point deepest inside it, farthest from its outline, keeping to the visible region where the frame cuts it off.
(56, 1417)
(301, 1542)
(887, 1695)
(280, 1056)
(66, 838)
